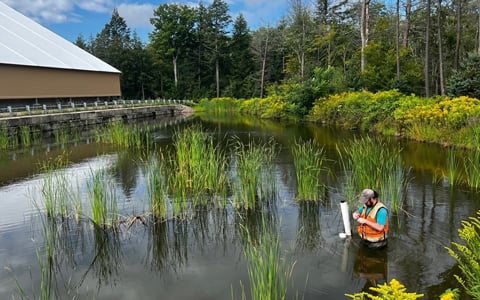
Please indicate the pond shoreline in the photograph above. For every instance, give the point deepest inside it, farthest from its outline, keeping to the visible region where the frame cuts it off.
(50, 122)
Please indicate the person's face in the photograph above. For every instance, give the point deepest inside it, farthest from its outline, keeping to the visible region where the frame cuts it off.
(369, 203)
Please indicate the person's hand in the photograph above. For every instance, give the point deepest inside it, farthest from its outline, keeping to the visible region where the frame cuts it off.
(361, 220)
(356, 215)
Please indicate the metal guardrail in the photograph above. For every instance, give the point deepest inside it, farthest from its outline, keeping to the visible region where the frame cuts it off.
(38, 109)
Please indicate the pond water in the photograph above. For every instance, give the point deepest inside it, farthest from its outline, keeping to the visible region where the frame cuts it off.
(203, 257)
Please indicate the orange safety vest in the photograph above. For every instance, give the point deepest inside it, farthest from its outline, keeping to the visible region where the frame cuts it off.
(368, 233)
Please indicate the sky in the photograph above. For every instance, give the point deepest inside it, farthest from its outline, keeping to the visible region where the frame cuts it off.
(70, 18)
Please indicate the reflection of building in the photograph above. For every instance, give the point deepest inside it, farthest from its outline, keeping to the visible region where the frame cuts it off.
(37, 64)
(372, 265)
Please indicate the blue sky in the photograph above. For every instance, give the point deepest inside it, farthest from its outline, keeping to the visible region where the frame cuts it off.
(69, 18)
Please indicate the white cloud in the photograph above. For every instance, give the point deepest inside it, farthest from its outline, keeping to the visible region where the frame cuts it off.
(137, 15)
(58, 11)
(99, 6)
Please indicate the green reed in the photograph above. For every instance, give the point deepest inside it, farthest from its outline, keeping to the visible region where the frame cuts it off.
(269, 271)
(26, 135)
(56, 188)
(4, 137)
(62, 135)
(249, 158)
(268, 187)
(472, 169)
(156, 188)
(309, 159)
(126, 136)
(200, 166)
(103, 199)
(453, 170)
(371, 163)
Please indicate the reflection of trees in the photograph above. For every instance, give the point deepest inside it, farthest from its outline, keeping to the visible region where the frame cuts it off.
(126, 171)
(308, 228)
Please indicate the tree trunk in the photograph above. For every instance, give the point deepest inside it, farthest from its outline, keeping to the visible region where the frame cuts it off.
(427, 51)
(217, 76)
(406, 27)
(456, 62)
(397, 40)
(440, 47)
(364, 22)
(175, 75)
(264, 64)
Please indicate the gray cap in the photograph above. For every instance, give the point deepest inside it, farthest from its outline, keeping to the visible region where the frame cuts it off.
(366, 194)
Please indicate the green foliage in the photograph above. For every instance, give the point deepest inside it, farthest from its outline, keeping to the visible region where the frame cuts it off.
(309, 159)
(467, 255)
(466, 81)
(393, 291)
(269, 271)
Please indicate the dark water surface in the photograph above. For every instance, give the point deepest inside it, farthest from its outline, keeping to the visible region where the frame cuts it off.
(202, 257)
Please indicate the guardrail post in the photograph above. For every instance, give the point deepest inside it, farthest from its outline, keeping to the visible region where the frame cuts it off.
(28, 109)
(59, 106)
(44, 106)
(96, 104)
(106, 103)
(84, 104)
(115, 103)
(72, 104)
(9, 109)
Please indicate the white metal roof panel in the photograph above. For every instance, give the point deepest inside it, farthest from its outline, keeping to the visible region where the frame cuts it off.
(25, 42)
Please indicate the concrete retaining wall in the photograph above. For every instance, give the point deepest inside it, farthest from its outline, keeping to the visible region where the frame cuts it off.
(83, 119)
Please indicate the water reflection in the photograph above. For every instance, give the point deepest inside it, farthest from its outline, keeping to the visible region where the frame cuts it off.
(167, 246)
(106, 259)
(308, 229)
(372, 266)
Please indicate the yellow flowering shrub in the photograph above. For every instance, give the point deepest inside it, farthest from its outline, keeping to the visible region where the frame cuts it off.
(393, 291)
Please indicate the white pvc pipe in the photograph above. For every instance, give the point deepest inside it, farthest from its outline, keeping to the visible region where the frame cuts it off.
(346, 217)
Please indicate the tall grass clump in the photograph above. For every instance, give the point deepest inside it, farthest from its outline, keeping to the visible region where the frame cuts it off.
(472, 169)
(58, 194)
(268, 187)
(157, 188)
(200, 165)
(4, 137)
(453, 168)
(126, 136)
(308, 158)
(371, 163)
(103, 199)
(467, 255)
(269, 271)
(25, 135)
(249, 160)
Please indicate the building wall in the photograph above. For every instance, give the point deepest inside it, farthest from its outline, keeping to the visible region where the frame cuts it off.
(25, 82)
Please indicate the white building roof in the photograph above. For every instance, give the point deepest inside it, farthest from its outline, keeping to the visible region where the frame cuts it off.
(25, 42)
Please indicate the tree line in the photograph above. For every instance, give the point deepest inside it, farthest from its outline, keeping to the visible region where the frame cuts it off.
(421, 47)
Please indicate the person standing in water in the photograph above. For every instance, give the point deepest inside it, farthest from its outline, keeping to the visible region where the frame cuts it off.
(372, 219)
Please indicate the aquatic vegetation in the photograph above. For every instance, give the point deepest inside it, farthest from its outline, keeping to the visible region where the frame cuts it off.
(393, 291)
(200, 165)
(103, 199)
(249, 160)
(308, 158)
(453, 170)
(269, 270)
(467, 255)
(369, 162)
(127, 136)
(156, 188)
(25, 136)
(472, 169)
